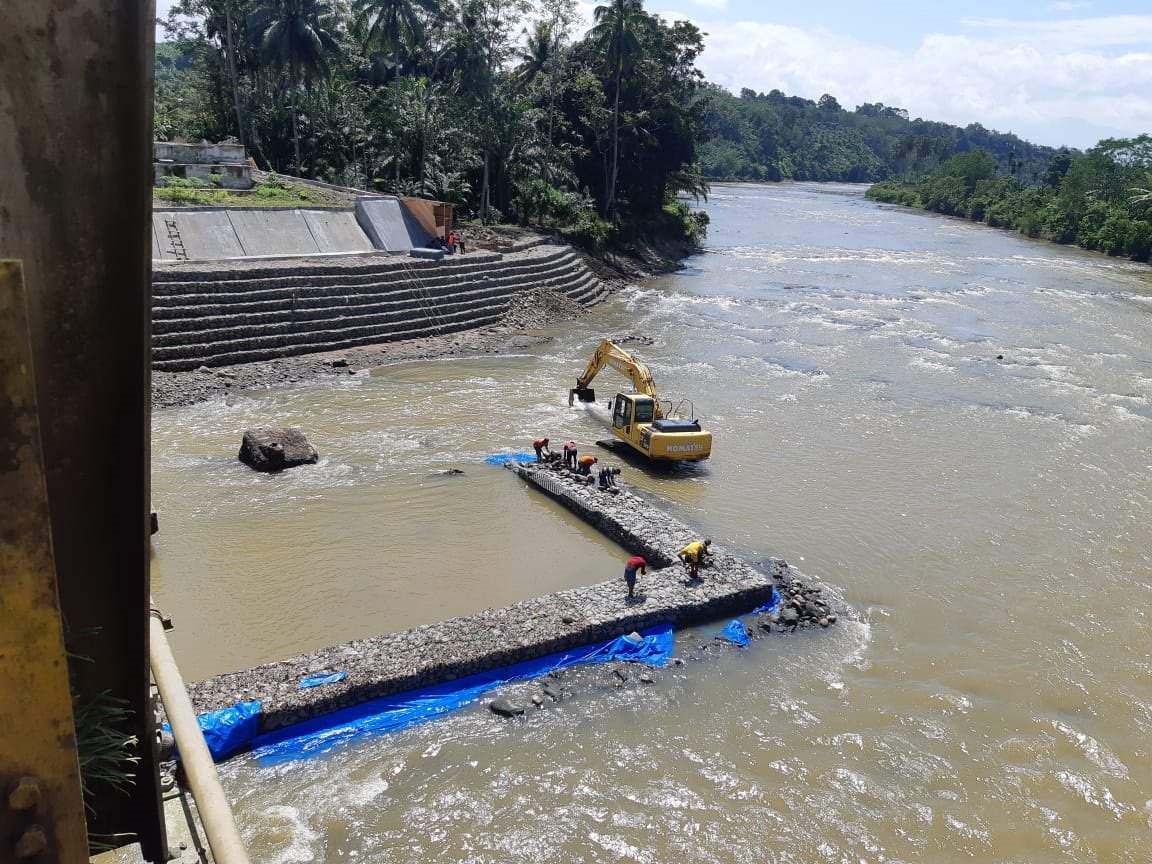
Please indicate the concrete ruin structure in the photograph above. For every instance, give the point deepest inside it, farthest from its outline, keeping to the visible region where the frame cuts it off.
(223, 165)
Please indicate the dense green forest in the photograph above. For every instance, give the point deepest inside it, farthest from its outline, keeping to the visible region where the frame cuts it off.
(777, 137)
(1100, 200)
(458, 100)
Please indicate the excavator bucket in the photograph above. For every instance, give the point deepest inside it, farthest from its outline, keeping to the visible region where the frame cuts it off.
(584, 394)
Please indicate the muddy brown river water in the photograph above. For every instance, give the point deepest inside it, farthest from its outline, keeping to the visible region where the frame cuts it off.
(949, 423)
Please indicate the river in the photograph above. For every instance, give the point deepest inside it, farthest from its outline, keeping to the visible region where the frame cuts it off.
(948, 423)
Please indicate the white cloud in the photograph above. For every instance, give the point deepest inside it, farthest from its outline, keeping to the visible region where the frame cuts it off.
(1069, 6)
(1075, 80)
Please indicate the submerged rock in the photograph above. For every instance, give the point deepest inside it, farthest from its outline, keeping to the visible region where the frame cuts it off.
(505, 707)
(274, 449)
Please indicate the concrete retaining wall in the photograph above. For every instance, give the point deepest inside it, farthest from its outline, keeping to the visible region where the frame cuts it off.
(436, 653)
(214, 234)
(246, 311)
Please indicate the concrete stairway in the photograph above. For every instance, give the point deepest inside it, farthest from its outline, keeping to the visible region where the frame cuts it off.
(249, 311)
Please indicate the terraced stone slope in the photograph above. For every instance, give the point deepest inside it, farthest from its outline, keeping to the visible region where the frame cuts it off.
(240, 312)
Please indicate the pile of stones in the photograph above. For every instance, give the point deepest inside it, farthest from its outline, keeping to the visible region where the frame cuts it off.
(800, 606)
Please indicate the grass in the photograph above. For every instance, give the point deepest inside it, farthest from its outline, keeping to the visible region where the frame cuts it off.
(272, 192)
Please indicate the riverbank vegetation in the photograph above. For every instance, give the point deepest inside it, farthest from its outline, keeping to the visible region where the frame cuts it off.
(593, 135)
(1100, 200)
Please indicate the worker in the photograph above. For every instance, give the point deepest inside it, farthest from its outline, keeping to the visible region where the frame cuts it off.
(693, 554)
(451, 242)
(630, 567)
(607, 477)
(540, 445)
(570, 455)
(586, 463)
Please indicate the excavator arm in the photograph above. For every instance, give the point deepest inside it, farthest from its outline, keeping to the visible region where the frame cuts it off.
(610, 354)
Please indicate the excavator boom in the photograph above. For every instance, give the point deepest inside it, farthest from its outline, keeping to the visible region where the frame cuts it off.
(608, 353)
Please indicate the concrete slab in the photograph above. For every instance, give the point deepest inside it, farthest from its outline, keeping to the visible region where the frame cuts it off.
(273, 232)
(389, 225)
(205, 235)
(337, 231)
(156, 254)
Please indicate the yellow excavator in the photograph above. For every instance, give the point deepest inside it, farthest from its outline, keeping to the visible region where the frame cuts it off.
(641, 420)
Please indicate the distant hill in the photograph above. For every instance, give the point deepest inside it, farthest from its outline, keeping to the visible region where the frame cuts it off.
(757, 136)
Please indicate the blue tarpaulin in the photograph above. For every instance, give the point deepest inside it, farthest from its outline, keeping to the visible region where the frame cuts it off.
(228, 730)
(406, 709)
(768, 605)
(505, 458)
(736, 632)
(321, 679)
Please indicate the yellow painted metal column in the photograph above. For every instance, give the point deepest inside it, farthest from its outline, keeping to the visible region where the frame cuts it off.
(41, 808)
(76, 84)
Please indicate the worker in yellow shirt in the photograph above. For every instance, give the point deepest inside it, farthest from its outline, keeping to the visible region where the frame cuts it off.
(693, 555)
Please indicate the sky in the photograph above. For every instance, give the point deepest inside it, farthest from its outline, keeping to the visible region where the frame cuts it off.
(1055, 73)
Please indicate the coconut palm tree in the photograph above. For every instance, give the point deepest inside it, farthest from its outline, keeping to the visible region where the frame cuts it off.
(618, 35)
(541, 46)
(297, 36)
(395, 27)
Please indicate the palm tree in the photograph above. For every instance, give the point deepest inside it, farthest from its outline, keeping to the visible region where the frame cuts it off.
(538, 51)
(396, 27)
(618, 31)
(297, 35)
(1141, 194)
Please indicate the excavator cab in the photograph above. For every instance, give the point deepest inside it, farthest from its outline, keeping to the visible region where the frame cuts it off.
(627, 410)
(638, 420)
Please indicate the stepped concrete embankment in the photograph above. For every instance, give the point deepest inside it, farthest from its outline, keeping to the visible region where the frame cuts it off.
(249, 311)
(436, 653)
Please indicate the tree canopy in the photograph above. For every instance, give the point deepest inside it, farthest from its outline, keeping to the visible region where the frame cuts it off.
(756, 136)
(496, 105)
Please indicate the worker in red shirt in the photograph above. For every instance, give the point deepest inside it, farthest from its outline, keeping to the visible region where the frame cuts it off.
(586, 463)
(633, 564)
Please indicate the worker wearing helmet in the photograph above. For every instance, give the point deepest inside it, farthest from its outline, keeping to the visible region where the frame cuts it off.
(693, 555)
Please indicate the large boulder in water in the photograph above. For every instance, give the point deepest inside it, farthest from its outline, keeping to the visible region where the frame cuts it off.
(270, 449)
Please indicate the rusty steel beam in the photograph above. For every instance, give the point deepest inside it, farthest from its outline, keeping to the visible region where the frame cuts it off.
(41, 805)
(76, 87)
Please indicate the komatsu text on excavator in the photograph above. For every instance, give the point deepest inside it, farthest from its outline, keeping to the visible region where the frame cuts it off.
(652, 427)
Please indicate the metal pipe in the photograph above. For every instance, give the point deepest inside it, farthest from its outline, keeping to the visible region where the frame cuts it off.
(215, 811)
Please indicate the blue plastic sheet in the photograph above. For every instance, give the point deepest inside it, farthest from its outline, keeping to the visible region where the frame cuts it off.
(322, 679)
(406, 709)
(505, 458)
(228, 730)
(768, 605)
(736, 632)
